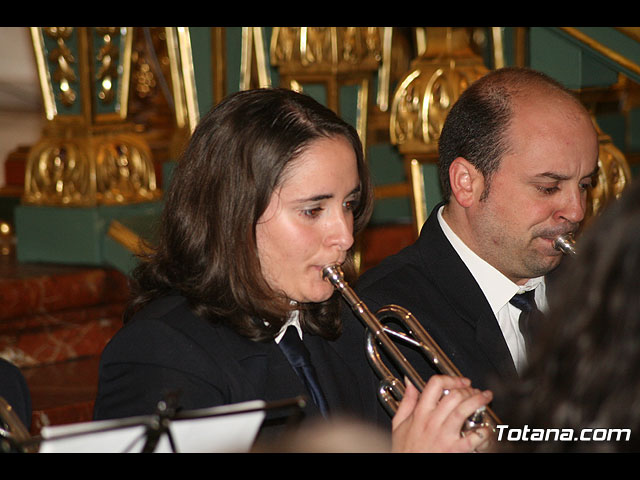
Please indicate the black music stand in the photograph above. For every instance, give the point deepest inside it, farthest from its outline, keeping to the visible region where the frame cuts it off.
(147, 434)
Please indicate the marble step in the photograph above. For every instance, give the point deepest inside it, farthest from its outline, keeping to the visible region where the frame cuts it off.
(52, 313)
(62, 393)
(54, 322)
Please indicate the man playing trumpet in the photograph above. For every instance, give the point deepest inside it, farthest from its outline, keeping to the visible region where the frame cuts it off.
(517, 157)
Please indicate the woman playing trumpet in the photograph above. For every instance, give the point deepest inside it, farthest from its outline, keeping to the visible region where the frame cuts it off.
(271, 188)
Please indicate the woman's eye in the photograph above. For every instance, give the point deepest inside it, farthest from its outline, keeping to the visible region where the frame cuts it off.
(312, 212)
(351, 204)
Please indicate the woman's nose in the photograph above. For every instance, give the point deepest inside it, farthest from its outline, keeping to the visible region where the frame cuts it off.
(341, 232)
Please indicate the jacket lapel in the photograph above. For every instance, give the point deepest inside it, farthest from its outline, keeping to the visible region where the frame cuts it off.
(461, 290)
(265, 367)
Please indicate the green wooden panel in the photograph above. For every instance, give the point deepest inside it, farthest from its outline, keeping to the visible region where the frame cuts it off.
(349, 103)
(145, 226)
(570, 61)
(71, 235)
(558, 58)
(118, 257)
(618, 42)
(634, 130)
(202, 66)
(8, 203)
(234, 57)
(614, 125)
(386, 166)
(577, 66)
(391, 211)
(317, 91)
(432, 188)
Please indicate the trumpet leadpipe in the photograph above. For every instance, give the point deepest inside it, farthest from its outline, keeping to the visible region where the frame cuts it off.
(334, 275)
(391, 388)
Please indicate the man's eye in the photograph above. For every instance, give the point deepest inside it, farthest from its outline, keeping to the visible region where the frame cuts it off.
(587, 185)
(547, 190)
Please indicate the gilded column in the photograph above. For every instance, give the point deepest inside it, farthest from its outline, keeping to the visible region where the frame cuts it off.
(614, 175)
(447, 64)
(89, 153)
(333, 57)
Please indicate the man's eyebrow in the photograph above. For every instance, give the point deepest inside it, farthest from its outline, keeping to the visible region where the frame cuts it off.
(560, 177)
(552, 176)
(594, 172)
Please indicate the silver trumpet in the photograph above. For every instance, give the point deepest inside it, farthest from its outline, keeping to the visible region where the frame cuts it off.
(391, 389)
(566, 244)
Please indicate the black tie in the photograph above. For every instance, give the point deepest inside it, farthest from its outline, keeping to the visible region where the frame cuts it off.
(299, 358)
(528, 309)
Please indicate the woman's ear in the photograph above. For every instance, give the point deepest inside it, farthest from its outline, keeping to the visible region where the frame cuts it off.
(467, 183)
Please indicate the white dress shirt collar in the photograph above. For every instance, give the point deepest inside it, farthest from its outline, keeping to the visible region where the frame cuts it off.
(497, 288)
(294, 319)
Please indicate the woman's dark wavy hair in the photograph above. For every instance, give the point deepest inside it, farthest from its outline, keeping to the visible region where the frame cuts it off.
(207, 250)
(583, 370)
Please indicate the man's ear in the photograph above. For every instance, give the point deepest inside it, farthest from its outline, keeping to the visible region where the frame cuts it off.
(467, 183)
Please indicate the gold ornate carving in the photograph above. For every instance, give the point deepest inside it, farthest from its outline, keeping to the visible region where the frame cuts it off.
(326, 49)
(87, 170)
(58, 173)
(64, 75)
(422, 102)
(108, 57)
(446, 67)
(447, 64)
(330, 56)
(124, 172)
(613, 177)
(92, 156)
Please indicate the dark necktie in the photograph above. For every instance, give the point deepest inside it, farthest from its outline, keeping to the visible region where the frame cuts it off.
(528, 310)
(299, 358)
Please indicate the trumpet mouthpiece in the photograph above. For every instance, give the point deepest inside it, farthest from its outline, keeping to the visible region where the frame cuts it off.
(332, 273)
(566, 244)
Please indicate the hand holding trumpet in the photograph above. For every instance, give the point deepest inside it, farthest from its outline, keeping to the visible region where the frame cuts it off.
(431, 421)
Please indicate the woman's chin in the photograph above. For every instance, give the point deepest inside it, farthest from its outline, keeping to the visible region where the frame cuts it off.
(319, 294)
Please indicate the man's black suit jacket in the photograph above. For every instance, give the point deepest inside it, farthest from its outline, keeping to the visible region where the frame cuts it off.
(166, 348)
(430, 280)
